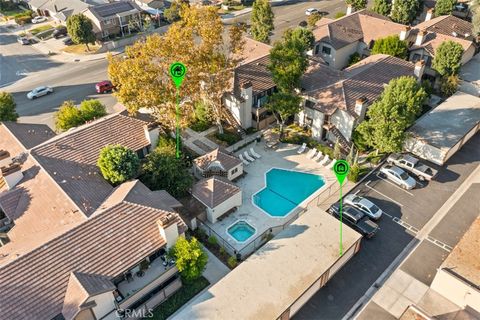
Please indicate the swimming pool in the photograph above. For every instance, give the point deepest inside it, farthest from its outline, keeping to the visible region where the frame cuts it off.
(284, 190)
(241, 231)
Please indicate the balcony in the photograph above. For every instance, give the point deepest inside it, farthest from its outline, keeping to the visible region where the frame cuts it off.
(137, 287)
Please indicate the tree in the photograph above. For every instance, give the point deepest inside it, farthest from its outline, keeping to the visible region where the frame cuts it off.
(288, 63)
(80, 29)
(164, 171)
(190, 258)
(68, 116)
(388, 118)
(444, 7)
(7, 107)
(337, 151)
(283, 105)
(448, 57)
(313, 19)
(449, 84)
(142, 79)
(357, 4)
(117, 163)
(262, 21)
(302, 36)
(405, 11)
(92, 109)
(391, 45)
(382, 7)
(172, 14)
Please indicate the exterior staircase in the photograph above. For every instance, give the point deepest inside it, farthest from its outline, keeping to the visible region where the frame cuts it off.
(231, 120)
(344, 143)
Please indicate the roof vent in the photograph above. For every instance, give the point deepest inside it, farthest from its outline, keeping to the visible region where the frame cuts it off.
(467, 35)
(454, 34)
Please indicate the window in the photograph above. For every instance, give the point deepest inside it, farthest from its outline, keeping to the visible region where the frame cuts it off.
(416, 57)
(326, 50)
(234, 171)
(317, 49)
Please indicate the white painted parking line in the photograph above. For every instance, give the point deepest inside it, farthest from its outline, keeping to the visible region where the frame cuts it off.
(387, 214)
(406, 225)
(393, 184)
(396, 202)
(439, 244)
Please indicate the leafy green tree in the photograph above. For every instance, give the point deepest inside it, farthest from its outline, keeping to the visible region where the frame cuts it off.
(118, 163)
(449, 84)
(80, 29)
(337, 151)
(304, 37)
(448, 57)
(7, 107)
(288, 63)
(444, 7)
(283, 105)
(357, 4)
(313, 19)
(391, 45)
(405, 11)
(389, 117)
(68, 116)
(92, 109)
(262, 21)
(190, 258)
(382, 7)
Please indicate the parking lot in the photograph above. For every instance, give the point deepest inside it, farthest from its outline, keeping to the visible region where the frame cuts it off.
(406, 212)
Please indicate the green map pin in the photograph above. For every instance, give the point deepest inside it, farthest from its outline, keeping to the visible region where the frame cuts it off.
(341, 169)
(177, 72)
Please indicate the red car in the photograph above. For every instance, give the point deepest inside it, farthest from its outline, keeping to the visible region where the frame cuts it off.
(104, 86)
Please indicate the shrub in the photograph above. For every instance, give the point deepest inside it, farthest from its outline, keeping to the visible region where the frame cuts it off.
(118, 163)
(7, 107)
(190, 258)
(354, 58)
(449, 84)
(354, 173)
(232, 262)
(340, 14)
(228, 137)
(212, 241)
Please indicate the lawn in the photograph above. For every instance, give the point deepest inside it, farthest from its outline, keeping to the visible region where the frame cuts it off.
(39, 29)
(179, 298)
(81, 49)
(10, 13)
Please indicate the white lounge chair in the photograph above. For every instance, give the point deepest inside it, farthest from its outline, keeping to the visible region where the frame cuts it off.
(311, 153)
(331, 164)
(245, 162)
(256, 155)
(302, 148)
(325, 160)
(318, 156)
(248, 157)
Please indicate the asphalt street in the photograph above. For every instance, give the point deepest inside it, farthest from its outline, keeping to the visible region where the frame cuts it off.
(406, 212)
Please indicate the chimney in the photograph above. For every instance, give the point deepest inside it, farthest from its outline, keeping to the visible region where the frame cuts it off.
(11, 175)
(152, 132)
(5, 159)
(361, 106)
(349, 9)
(419, 69)
(404, 33)
(429, 15)
(420, 35)
(168, 229)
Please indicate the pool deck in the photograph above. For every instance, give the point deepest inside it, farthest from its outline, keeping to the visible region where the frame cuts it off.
(285, 157)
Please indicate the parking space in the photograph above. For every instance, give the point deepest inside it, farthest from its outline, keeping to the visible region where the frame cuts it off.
(406, 212)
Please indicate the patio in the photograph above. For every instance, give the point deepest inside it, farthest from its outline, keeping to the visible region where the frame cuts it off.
(284, 157)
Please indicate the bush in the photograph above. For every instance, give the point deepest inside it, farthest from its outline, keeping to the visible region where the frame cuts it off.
(228, 137)
(340, 14)
(212, 241)
(354, 58)
(449, 85)
(354, 173)
(23, 17)
(190, 258)
(118, 163)
(69, 116)
(7, 107)
(232, 262)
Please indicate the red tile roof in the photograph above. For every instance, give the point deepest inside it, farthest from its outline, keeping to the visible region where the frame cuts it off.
(225, 159)
(214, 191)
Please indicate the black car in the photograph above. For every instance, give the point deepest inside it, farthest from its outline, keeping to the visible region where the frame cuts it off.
(355, 219)
(59, 32)
(67, 41)
(23, 41)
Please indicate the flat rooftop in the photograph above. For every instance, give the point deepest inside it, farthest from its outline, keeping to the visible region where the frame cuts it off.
(270, 280)
(437, 127)
(464, 259)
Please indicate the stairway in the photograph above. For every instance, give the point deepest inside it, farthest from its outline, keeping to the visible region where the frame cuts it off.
(231, 120)
(344, 143)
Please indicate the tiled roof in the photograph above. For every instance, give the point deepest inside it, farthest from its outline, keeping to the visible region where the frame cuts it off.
(14, 202)
(34, 285)
(106, 10)
(225, 159)
(214, 191)
(252, 50)
(362, 25)
(71, 158)
(364, 79)
(29, 135)
(254, 72)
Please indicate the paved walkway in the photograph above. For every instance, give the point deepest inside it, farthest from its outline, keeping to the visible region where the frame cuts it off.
(198, 141)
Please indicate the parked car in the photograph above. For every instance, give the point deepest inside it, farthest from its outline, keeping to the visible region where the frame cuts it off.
(398, 176)
(355, 218)
(412, 164)
(39, 91)
(39, 19)
(367, 206)
(59, 32)
(311, 11)
(104, 86)
(67, 41)
(23, 41)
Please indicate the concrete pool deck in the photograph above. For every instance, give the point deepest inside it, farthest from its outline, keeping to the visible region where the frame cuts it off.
(285, 157)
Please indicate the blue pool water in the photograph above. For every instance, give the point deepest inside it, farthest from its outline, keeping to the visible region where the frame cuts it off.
(285, 190)
(241, 231)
